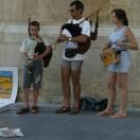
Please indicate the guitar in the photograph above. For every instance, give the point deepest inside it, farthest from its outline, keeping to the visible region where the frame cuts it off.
(109, 56)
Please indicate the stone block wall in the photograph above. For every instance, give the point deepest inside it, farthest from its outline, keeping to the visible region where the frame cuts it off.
(52, 14)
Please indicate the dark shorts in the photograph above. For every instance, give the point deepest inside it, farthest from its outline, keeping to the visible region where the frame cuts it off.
(32, 75)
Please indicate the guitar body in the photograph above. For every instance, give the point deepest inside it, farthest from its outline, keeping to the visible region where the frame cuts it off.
(83, 47)
(109, 56)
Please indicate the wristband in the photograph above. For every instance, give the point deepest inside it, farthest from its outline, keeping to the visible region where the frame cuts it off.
(70, 39)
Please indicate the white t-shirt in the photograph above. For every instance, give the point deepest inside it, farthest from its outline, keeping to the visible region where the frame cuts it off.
(28, 46)
(86, 29)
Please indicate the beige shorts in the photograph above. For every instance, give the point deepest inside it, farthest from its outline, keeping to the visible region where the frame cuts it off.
(74, 64)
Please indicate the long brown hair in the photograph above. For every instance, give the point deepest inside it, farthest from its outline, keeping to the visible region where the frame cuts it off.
(121, 15)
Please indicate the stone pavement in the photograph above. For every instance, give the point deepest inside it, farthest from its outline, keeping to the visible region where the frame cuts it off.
(85, 126)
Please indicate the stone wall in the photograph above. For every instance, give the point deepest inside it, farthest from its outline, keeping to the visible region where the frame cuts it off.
(50, 11)
(52, 14)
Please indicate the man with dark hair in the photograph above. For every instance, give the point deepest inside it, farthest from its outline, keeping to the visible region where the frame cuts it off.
(78, 5)
(72, 61)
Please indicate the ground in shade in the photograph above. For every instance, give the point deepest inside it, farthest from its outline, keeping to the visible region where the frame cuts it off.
(85, 126)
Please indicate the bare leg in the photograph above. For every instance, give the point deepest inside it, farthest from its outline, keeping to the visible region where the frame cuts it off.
(26, 97)
(35, 97)
(122, 83)
(25, 109)
(65, 77)
(76, 85)
(111, 83)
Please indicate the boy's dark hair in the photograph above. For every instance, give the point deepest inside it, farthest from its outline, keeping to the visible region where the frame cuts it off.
(78, 5)
(121, 15)
(35, 23)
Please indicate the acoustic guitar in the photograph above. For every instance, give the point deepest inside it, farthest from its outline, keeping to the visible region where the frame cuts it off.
(109, 56)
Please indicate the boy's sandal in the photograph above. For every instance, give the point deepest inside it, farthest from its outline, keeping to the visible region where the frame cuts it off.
(34, 110)
(118, 116)
(63, 109)
(23, 110)
(105, 113)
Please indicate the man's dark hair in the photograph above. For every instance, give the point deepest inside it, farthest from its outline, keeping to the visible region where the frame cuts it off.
(35, 23)
(78, 5)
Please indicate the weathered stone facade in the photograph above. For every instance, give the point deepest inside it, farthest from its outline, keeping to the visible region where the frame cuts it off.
(52, 14)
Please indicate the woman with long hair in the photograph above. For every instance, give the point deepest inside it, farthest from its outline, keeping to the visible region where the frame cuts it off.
(121, 39)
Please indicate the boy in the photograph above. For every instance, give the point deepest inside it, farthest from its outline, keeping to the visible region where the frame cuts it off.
(33, 67)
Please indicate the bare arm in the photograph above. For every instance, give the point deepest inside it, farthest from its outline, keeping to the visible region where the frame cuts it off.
(108, 45)
(47, 51)
(61, 38)
(26, 59)
(79, 39)
(131, 42)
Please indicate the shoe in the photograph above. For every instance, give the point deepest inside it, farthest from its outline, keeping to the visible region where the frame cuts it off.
(23, 110)
(63, 109)
(75, 110)
(34, 109)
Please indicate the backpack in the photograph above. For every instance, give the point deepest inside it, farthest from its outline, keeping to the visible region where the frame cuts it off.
(91, 104)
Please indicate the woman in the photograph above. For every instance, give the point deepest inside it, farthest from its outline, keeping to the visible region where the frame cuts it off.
(121, 39)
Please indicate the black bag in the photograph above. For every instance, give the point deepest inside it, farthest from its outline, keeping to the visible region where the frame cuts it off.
(70, 52)
(39, 49)
(91, 104)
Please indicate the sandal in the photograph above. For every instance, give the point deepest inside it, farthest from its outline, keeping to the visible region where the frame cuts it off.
(34, 110)
(74, 111)
(63, 109)
(23, 110)
(105, 113)
(118, 116)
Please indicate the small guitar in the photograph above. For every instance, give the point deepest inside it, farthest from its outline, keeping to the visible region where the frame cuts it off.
(109, 56)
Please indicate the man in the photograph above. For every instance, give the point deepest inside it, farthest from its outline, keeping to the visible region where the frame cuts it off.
(71, 61)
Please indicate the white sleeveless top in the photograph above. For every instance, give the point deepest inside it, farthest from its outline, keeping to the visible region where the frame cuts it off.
(125, 59)
(116, 36)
